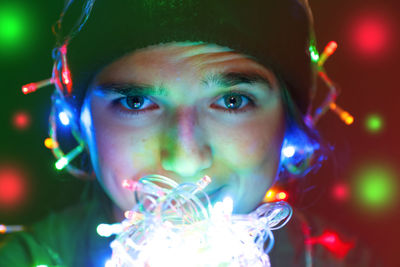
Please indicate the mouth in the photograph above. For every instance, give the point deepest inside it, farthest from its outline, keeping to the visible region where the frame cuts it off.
(214, 195)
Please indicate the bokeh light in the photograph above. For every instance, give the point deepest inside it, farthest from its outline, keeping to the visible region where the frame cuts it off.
(13, 187)
(374, 123)
(340, 191)
(16, 28)
(11, 26)
(376, 187)
(371, 33)
(21, 120)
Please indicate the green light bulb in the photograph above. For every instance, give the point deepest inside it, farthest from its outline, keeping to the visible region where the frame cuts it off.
(314, 53)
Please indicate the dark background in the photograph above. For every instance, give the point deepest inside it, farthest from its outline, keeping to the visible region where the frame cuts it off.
(366, 66)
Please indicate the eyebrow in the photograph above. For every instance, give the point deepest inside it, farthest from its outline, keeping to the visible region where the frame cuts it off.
(227, 79)
(131, 89)
(230, 79)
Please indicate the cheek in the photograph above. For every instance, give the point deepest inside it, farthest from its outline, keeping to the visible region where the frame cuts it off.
(249, 144)
(121, 151)
(125, 151)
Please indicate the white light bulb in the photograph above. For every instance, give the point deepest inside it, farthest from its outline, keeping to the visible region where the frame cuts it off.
(61, 163)
(289, 151)
(63, 118)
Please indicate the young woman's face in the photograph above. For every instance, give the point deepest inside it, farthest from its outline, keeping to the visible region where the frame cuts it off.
(185, 110)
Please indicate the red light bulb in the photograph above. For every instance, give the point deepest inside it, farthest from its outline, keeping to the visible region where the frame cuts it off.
(330, 48)
(32, 87)
(331, 241)
(29, 88)
(281, 196)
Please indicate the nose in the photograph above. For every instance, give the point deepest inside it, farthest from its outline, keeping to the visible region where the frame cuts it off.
(184, 147)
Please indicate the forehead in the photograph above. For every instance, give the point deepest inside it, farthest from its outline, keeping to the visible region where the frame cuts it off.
(191, 61)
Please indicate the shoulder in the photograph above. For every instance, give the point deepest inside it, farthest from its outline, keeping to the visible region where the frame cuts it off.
(22, 249)
(289, 247)
(308, 240)
(61, 238)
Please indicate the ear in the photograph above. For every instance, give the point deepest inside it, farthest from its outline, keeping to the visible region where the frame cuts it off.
(86, 167)
(85, 127)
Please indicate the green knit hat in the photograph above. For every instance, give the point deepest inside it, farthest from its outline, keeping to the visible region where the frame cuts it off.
(277, 33)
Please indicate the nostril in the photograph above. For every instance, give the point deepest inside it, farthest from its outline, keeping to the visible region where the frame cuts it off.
(185, 165)
(164, 154)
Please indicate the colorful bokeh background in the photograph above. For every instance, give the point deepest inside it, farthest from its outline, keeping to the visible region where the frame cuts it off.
(357, 190)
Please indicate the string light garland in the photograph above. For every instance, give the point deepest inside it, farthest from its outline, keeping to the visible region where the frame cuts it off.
(176, 225)
(330, 100)
(6, 229)
(32, 87)
(63, 161)
(332, 242)
(65, 73)
(61, 78)
(273, 195)
(328, 51)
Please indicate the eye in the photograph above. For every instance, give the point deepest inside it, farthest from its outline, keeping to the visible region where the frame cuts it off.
(234, 102)
(136, 104)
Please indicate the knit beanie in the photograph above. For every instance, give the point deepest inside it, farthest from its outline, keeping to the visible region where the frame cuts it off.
(276, 33)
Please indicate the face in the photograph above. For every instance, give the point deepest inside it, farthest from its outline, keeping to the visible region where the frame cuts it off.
(185, 110)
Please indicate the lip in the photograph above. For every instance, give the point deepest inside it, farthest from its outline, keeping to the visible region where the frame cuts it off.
(213, 194)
